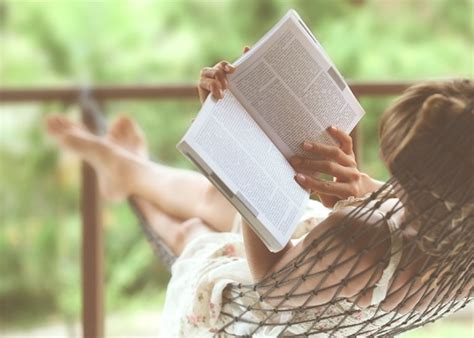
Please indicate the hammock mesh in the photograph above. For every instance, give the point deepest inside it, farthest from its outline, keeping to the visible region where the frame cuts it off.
(441, 221)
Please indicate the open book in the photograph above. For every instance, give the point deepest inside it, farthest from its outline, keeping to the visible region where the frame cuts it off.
(284, 91)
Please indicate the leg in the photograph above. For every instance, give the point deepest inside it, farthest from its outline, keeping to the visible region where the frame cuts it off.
(175, 233)
(180, 193)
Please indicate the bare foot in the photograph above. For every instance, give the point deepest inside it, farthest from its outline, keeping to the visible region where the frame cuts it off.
(70, 135)
(127, 134)
(108, 159)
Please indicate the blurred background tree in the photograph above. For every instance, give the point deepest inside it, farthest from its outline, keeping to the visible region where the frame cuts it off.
(54, 43)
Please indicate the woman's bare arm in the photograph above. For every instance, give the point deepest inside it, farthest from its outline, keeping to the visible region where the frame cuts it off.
(363, 266)
(409, 291)
(360, 268)
(259, 257)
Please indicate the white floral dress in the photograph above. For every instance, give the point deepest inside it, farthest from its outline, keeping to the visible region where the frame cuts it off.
(212, 261)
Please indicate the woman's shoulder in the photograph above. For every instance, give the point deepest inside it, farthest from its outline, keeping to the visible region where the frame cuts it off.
(357, 218)
(382, 206)
(358, 213)
(346, 221)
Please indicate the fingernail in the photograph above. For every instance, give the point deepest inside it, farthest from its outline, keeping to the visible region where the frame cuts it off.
(295, 160)
(301, 178)
(332, 128)
(229, 68)
(307, 145)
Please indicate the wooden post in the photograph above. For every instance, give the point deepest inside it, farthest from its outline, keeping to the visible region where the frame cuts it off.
(92, 248)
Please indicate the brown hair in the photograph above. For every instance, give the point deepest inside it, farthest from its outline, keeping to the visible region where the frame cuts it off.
(421, 107)
(421, 115)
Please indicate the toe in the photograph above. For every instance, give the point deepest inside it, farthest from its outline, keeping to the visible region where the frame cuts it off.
(53, 124)
(127, 127)
(135, 129)
(125, 132)
(113, 133)
(62, 124)
(136, 133)
(114, 130)
(65, 123)
(120, 126)
(126, 120)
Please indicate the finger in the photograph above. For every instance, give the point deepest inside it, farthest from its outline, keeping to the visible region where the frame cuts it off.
(212, 86)
(217, 90)
(310, 173)
(322, 166)
(205, 84)
(345, 140)
(329, 152)
(203, 93)
(221, 77)
(208, 72)
(226, 66)
(215, 73)
(317, 186)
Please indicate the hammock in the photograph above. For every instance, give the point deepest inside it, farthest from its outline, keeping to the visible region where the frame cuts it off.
(445, 228)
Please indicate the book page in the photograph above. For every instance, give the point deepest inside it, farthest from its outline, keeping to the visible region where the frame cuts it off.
(283, 92)
(232, 150)
(292, 90)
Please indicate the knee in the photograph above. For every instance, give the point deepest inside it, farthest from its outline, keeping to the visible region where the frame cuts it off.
(185, 231)
(210, 196)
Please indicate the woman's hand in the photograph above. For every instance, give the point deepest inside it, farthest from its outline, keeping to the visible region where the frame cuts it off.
(335, 161)
(214, 80)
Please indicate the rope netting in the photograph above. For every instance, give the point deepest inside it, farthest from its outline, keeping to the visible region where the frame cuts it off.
(425, 236)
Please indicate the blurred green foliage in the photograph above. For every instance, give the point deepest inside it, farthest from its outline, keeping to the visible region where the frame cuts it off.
(55, 42)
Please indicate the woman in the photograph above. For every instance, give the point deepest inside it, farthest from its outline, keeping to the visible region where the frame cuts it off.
(201, 227)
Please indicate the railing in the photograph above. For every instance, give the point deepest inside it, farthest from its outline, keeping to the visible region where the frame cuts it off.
(92, 236)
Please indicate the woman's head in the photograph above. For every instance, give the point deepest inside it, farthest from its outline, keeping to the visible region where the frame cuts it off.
(422, 108)
(427, 142)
